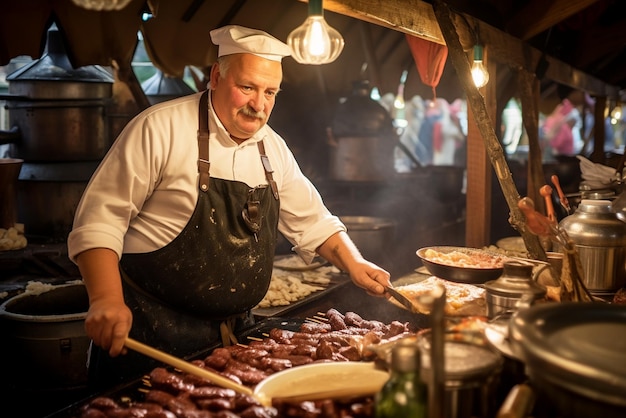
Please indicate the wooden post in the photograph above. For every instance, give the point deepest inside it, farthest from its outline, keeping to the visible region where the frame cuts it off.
(529, 92)
(598, 131)
(476, 102)
(479, 172)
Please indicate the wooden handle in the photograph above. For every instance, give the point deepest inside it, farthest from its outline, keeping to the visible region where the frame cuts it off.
(518, 402)
(546, 192)
(563, 199)
(187, 367)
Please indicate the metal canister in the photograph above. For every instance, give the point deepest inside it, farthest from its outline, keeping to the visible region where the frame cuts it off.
(472, 368)
(513, 289)
(600, 239)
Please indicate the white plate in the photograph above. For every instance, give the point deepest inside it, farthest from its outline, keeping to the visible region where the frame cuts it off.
(324, 381)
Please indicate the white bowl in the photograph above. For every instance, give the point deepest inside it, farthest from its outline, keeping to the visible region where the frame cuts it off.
(323, 381)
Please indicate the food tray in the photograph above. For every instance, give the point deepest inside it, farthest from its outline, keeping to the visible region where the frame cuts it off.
(295, 263)
(336, 281)
(460, 274)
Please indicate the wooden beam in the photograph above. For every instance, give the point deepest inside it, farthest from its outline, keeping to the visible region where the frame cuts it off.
(543, 15)
(600, 41)
(417, 18)
(476, 103)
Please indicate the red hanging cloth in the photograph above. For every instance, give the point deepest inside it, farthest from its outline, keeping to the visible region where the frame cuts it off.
(430, 59)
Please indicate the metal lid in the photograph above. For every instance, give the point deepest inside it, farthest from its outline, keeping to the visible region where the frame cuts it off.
(360, 116)
(577, 346)
(55, 66)
(468, 359)
(516, 281)
(594, 224)
(160, 87)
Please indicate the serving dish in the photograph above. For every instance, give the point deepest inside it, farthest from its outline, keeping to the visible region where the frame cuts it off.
(472, 275)
(324, 381)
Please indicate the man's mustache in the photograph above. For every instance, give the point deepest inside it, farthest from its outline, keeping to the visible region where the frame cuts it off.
(252, 113)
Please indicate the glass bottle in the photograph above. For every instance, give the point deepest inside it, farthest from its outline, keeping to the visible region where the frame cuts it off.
(404, 394)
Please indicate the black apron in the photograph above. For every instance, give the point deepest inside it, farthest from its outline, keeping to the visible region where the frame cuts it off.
(204, 283)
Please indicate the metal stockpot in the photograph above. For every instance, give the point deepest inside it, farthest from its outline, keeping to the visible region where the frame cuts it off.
(57, 112)
(472, 373)
(44, 340)
(600, 239)
(362, 139)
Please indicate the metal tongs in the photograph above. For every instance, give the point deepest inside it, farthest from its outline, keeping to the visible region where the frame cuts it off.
(562, 198)
(411, 306)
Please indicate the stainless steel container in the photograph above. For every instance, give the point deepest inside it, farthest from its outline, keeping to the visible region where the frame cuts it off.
(44, 342)
(362, 139)
(472, 372)
(514, 289)
(57, 112)
(600, 239)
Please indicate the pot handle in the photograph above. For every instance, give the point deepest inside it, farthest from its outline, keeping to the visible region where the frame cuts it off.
(11, 136)
(518, 403)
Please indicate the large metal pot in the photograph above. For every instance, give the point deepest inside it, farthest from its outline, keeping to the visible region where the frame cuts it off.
(472, 373)
(44, 343)
(48, 195)
(57, 113)
(574, 356)
(362, 139)
(373, 236)
(600, 239)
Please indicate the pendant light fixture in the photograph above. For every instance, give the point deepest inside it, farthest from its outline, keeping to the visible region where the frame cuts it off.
(315, 42)
(480, 75)
(102, 5)
(616, 114)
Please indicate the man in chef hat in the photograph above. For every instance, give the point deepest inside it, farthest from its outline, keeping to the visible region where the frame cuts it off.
(176, 231)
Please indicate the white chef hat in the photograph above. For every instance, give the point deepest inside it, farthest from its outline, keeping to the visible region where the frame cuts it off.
(233, 39)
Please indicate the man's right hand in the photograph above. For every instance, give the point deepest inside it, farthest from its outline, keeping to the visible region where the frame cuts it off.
(108, 320)
(108, 323)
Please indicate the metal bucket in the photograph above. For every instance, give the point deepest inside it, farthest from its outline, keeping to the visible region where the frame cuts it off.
(472, 373)
(44, 341)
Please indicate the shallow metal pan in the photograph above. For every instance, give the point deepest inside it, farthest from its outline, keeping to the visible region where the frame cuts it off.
(460, 274)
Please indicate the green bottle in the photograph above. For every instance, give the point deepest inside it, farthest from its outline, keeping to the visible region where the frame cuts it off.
(404, 395)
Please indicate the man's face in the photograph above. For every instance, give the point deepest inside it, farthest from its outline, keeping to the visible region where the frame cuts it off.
(244, 97)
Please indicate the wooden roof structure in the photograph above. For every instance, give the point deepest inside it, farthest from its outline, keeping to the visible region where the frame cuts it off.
(533, 48)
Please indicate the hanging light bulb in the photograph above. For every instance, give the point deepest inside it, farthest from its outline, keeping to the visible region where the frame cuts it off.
(102, 5)
(480, 75)
(314, 42)
(617, 111)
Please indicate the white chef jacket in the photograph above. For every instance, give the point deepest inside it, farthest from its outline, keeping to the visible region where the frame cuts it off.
(144, 191)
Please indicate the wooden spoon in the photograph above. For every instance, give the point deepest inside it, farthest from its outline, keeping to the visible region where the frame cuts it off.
(192, 369)
(546, 192)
